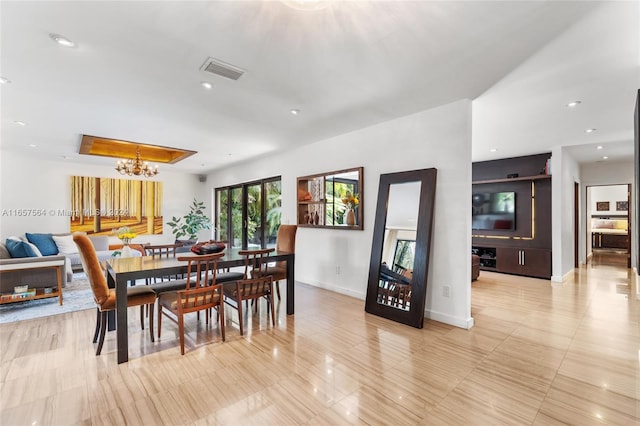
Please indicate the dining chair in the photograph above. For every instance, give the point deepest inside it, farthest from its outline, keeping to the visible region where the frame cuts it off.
(226, 275)
(251, 289)
(254, 267)
(197, 295)
(285, 241)
(162, 251)
(104, 296)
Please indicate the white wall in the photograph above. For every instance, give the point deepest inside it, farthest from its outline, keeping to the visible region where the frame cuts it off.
(566, 172)
(439, 138)
(610, 193)
(31, 183)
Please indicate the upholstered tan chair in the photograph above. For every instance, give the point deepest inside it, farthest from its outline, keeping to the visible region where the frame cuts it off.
(285, 241)
(104, 296)
(197, 295)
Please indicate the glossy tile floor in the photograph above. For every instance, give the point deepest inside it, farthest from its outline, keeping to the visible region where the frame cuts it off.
(540, 353)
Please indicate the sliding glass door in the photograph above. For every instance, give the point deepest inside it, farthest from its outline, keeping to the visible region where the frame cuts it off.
(248, 214)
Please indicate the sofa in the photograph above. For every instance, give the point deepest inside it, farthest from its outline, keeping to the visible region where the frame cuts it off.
(42, 248)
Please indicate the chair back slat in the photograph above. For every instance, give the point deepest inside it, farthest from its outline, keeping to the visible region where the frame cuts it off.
(254, 262)
(197, 299)
(204, 264)
(161, 250)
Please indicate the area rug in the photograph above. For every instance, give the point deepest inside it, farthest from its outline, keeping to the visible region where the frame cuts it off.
(76, 296)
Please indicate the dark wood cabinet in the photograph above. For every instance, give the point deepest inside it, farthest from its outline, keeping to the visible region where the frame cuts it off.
(611, 241)
(532, 262)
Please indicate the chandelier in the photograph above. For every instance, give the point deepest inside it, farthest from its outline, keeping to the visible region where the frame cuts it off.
(136, 167)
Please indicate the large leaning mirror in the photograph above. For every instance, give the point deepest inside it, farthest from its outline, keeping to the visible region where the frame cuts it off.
(401, 246)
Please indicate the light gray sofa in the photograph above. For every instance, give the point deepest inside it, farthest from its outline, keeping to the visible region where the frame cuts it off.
(46, 277)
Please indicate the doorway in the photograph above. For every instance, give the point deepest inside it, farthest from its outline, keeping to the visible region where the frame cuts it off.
(608, 231)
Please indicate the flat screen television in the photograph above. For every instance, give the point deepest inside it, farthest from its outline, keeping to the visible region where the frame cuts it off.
(493, 211)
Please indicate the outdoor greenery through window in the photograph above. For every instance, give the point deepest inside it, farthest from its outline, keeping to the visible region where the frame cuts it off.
(248, 214)
(405, 253)
(339, 192)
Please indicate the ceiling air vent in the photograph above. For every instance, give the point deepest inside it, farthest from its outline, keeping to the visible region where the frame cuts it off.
(223, 69)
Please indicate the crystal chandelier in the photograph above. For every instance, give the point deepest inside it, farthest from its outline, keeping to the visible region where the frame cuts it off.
(136, 167)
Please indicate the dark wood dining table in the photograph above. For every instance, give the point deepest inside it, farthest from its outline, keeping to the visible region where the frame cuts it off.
(121, 271)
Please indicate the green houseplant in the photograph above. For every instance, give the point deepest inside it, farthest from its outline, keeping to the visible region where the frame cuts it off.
(190, 224)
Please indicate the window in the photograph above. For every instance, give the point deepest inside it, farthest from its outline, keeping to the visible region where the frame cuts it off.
(248, 214)
(405, 253)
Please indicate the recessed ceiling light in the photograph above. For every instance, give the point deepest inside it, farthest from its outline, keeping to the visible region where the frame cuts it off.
(574, 104)
(32, 145)
(61, 40)
(493, 150)
(206, 85)
(4, 80)
(295, 111)
(599, 147)
(590, 130)
(605, 157)
(20, 123)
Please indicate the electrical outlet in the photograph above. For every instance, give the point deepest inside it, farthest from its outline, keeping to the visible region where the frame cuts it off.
(446, 291)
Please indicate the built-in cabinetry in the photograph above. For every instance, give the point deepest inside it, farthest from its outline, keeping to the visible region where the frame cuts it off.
(611, 241)
(524, 261)
(523, 247)
(331, 200)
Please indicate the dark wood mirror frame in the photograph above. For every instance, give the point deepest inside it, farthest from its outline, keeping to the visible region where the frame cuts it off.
(415, 315)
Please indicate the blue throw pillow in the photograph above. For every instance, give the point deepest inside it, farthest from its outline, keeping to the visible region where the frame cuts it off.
(19, 248)
(44, 242)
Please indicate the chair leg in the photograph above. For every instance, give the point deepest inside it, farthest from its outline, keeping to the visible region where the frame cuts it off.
(159, 319)
(142, 317)
(95, 335)
(240, 315)
(278, 289)
(103, 329)
(221, 319)
(273, 318)
(150, 308)
(181, 328)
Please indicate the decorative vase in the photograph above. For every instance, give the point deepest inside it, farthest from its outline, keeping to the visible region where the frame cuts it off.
(316, 219)
(126, 250)
(350, 217)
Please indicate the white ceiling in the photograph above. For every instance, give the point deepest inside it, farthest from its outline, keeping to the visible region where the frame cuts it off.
(135, 74)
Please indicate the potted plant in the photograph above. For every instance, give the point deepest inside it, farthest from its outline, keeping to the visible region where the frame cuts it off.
(190, 224)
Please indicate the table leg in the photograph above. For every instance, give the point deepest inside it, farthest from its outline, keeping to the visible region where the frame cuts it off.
(290, 285)
(121, 318)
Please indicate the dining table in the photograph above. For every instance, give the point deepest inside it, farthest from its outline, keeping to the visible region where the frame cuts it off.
(124, 270)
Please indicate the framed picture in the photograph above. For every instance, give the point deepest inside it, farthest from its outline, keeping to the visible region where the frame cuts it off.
(99, 206)
(602, 206)
(622, 206)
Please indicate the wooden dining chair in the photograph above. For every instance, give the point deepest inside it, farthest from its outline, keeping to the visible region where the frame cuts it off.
(162, 251)
(254, 268)
(251, 289)
(285, 241)
(104, 296)
(197, 295)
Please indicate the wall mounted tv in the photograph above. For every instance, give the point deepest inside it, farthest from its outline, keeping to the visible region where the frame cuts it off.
(493, 211)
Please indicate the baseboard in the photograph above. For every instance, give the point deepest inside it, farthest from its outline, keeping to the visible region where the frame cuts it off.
(557, 279)
(433, 315)
(465, 323)
(337, 289)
